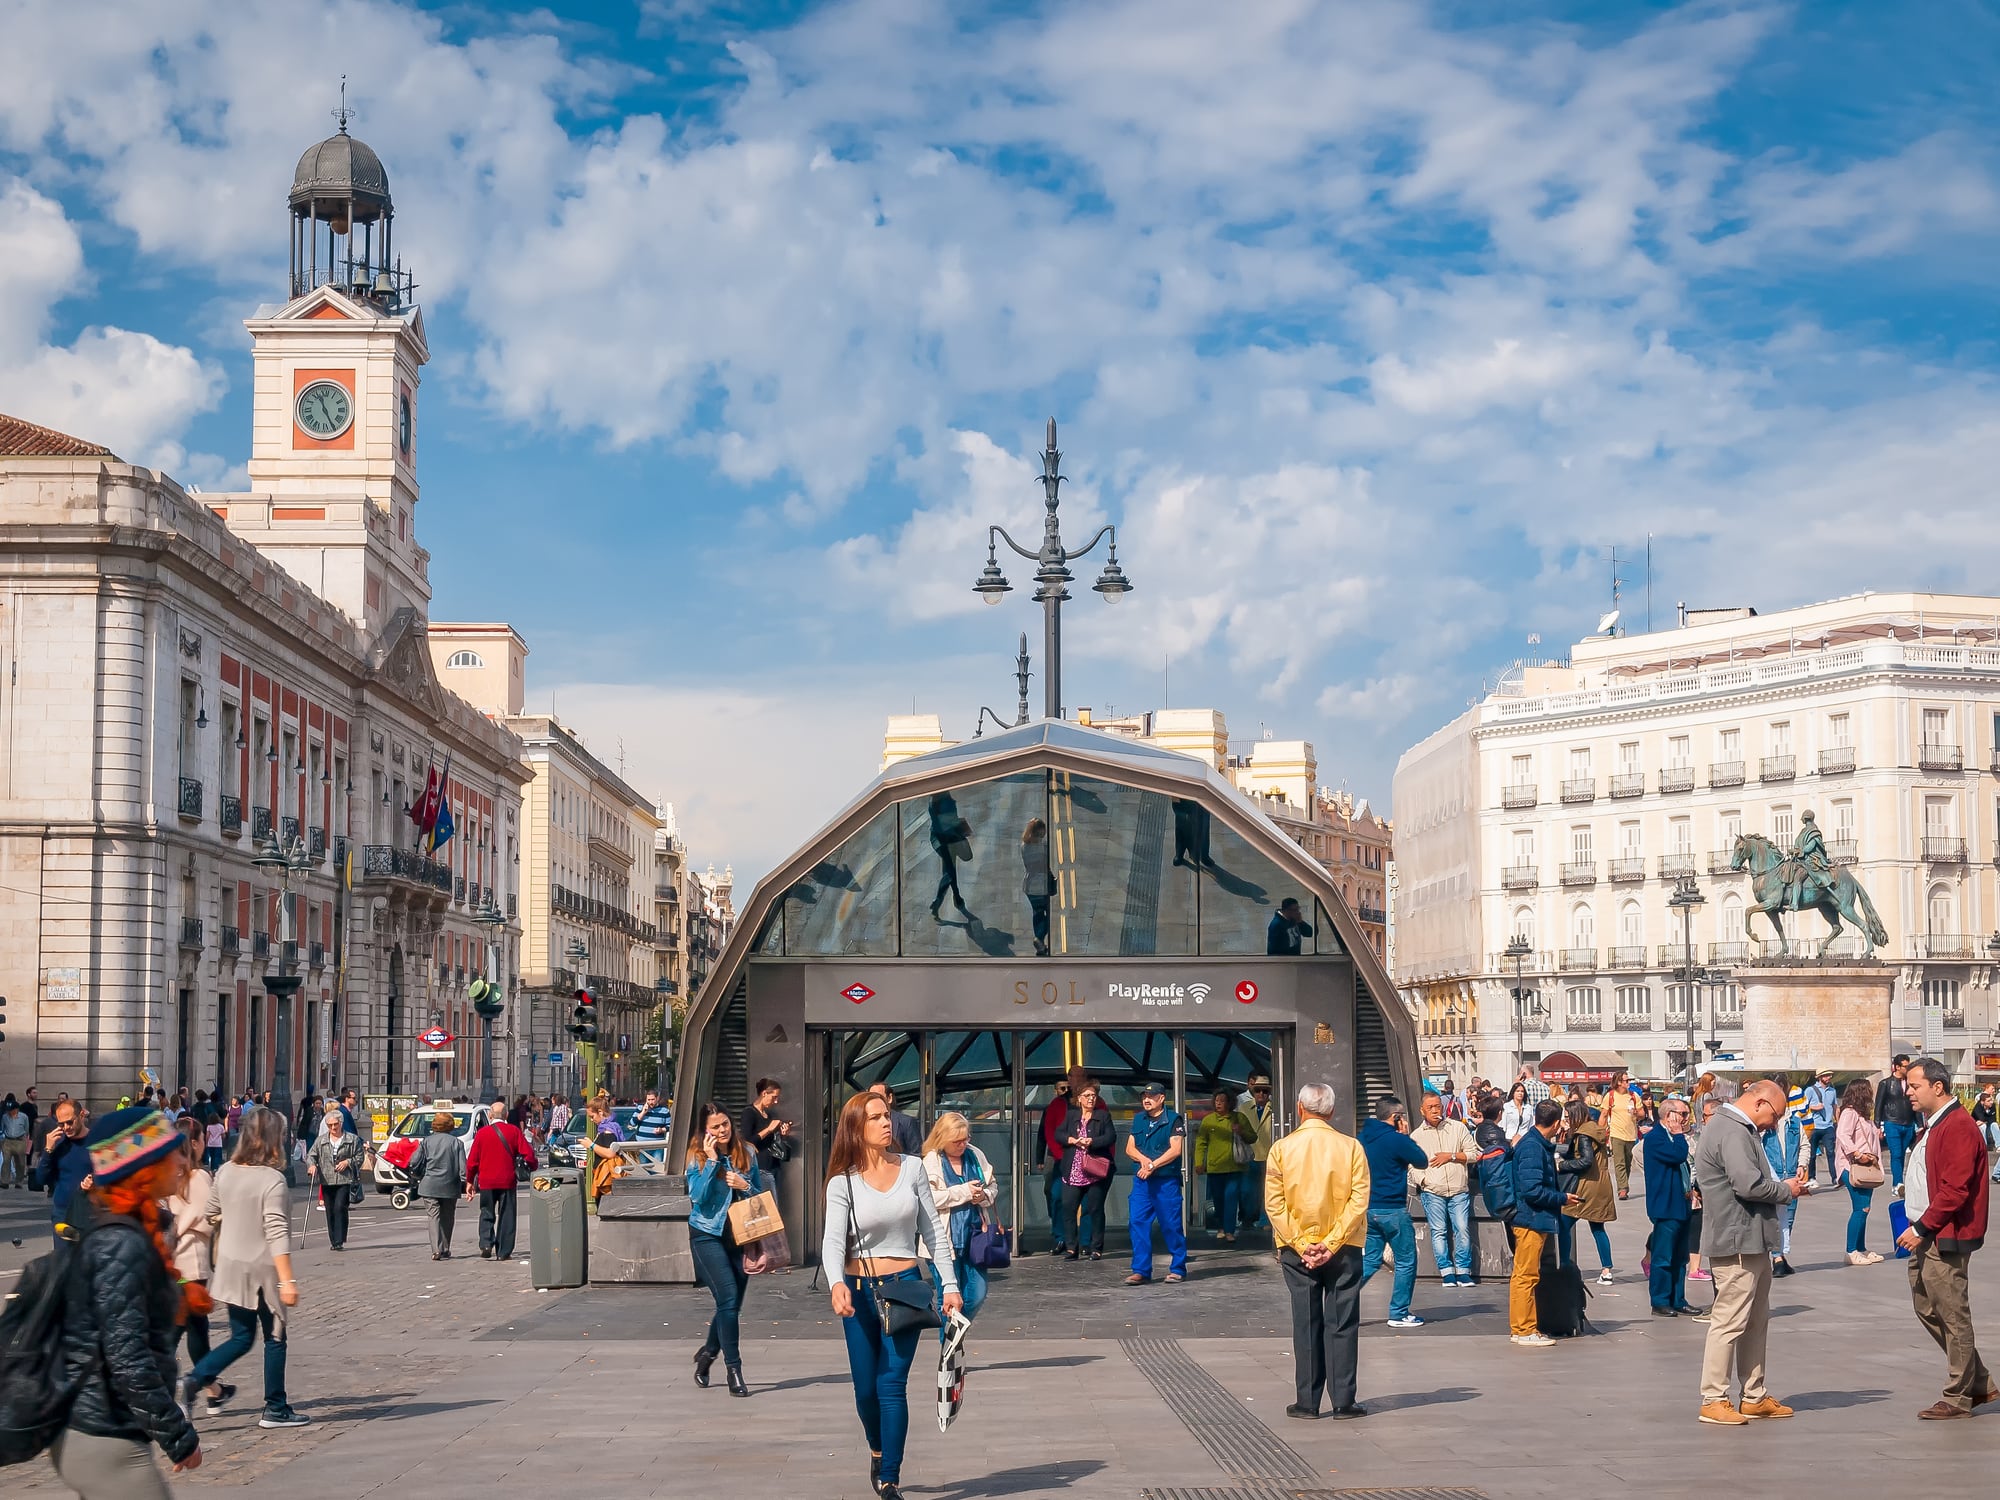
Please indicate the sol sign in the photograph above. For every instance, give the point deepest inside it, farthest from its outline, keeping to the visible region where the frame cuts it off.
(437, 1038)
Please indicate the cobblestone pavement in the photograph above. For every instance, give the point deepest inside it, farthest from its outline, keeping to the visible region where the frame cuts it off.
(457, 1379)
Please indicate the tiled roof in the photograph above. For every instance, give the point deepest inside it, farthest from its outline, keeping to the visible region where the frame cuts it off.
(23, 439)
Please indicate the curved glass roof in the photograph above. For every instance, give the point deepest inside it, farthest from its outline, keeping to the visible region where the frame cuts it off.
(1099, 744)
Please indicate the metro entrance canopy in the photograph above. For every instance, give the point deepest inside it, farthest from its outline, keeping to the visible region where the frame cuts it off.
(981, 918)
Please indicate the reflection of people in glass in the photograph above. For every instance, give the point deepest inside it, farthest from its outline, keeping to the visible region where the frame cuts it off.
(951, 837)
(1190, 834)
(1037, 882)
(1288, 931)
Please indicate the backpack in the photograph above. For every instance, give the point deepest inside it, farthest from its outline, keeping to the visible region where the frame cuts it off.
(36, 1392)
(1559, 1302)
(1496, 1182)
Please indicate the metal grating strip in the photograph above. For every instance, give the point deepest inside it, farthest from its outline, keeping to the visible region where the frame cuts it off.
(1291, 1492)
(1241, 1445)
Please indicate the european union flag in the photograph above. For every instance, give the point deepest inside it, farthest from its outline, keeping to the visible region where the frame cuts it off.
(442, 830)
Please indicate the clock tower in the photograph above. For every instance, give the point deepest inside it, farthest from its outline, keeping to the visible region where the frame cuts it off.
(333, 454)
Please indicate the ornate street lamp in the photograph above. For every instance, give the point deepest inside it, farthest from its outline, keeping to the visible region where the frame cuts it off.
(488, 1000)
(1518, 948)
(1686, 897)
(1051, 574)
(274, 859)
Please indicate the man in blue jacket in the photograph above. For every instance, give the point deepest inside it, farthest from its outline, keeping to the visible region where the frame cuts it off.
(1538, 1204)
(64, 1165)
(1391, 1154)
(1668, 1185)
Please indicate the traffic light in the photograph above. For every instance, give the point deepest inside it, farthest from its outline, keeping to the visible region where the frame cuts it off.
(583, 1018)
(485, 997)
(3, 1018)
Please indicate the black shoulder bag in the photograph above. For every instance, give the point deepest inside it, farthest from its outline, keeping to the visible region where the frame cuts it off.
(901, 1306)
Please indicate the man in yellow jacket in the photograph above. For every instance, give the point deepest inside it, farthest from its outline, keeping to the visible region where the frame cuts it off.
(1316, 1195)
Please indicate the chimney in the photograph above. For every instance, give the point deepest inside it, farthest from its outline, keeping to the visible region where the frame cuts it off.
(1083, 717)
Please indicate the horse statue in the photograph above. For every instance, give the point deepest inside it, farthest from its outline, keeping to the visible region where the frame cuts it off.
(1833, 897)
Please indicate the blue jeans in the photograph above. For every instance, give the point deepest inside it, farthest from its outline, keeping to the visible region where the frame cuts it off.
(1157, 1199)
(718, 1265)
(1566, 1242)
(971, 1286)
(1454, 1253)
(880, 1366)
(1668, 1246)
(1055, 1187)
(1822, 1141)
(1393, 1226)
(1250, 1195)
(1900, 1138)
(243, 1325)
(1858, 1200)
(1222, 1195)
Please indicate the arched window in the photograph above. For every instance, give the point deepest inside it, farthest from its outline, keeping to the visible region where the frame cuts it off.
(1524, 924)
(1582, 926)
(464, 659)
(1731, 917)
(1631, 926)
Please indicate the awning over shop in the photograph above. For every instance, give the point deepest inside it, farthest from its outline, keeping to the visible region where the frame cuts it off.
(1583, 1067)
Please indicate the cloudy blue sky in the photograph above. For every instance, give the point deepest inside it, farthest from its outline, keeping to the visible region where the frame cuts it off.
(1372, 324)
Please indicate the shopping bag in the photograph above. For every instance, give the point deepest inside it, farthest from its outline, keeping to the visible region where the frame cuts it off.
(1899, 1220)
(951, 1371)
(754, 1218)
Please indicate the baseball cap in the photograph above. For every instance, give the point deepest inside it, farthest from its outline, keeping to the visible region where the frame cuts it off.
(1150, 1090)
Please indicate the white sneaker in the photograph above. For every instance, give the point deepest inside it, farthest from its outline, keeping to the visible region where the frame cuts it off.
(1407, 1321)
(1604, 1277)
(1532, 1340)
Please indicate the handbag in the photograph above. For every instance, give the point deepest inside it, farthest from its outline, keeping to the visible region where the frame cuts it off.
(990, 1246)
(1096, 1168)
(1865, 1174)
(900, 1306)
(754, 1218)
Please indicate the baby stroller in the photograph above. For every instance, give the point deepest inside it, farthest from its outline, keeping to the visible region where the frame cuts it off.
(397, 1156)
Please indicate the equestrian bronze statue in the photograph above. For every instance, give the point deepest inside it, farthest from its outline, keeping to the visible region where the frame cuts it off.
(1805, 880)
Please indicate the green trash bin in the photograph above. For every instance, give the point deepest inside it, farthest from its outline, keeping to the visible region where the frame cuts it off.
(557, 1246)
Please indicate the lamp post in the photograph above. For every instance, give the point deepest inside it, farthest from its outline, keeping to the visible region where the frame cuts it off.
(586, 1052)
(274, 859)
(1686, 897)
(1518, 948)
(488, 999)
(1051, 574)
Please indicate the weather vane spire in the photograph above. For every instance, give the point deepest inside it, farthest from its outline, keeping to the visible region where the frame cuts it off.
(342, 115)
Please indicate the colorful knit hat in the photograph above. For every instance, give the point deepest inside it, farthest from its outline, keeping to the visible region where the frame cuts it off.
(127, 1140)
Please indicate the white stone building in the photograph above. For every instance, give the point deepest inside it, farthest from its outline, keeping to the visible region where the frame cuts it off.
(1565, 805)
(187, 675)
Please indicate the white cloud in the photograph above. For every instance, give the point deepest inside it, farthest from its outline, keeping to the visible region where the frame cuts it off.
(126, 390)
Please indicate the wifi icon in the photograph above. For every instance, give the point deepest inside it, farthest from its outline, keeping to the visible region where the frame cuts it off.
(1199, 991)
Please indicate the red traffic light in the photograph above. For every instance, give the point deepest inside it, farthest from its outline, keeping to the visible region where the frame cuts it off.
(585, 997)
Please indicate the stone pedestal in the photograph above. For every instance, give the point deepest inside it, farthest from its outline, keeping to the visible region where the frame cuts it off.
(1800, 1016)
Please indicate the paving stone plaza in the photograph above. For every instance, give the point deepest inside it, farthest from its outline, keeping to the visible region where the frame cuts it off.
(458, 1379)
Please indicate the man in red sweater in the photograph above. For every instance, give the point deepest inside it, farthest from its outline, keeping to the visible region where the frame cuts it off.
(490, 1172)
(1944, 1192)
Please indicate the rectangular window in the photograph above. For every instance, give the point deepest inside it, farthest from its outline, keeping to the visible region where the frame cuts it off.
(1586, 1003)
(1628, 758)
(1677, 751)
(1937, 817)
(1523, 770)
(1579, 844)
(1781, 737)
(1579, 763)
(1729, 745)
(1524, 846)
(1936, 730)
(1635, 1003)
(1731, 825)
(1782, 827)
(1843, 821)
(1629, 846)
(1839, 731)
(1680, 834)
(190, 736)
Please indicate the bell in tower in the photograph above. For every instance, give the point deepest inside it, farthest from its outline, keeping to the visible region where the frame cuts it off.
(343, 221)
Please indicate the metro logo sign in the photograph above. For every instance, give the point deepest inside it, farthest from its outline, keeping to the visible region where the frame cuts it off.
(858, 992)
(437, 1038)
(1246, 990)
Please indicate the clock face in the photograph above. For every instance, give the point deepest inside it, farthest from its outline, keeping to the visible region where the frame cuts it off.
(404, 422)
(324, 409)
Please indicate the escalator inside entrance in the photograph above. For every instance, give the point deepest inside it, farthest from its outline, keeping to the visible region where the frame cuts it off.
(1003, 1081)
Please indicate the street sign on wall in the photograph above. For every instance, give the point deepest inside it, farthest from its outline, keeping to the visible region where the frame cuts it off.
(436, 1038)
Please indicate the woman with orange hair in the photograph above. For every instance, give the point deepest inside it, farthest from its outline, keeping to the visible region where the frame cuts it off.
(118, 1341)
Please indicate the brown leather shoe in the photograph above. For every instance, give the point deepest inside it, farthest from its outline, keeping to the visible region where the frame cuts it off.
(1722, 1414)
(1942, 1411)
(1770, 1406)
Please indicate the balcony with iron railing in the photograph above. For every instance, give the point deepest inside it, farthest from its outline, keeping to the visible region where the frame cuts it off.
(1578, 961)
(458, 889)
(1518, 796)
(1677, 778)
(1519, 877)
(1373, 914)
(1627, 956)
(1945, 945)
(1729, 953)
(1629, 784)
(1726, 773)
(1635, 1020)
(1582, 1021)
(1679, 1020)
(1836, 761)
(316, 844)
(1536, 961)
(231, 941)
(1729, 1019)
(1676, 865)
(1722, 861)
(190, 932)
(260, 944)
(1943, 849)
(1579, 872)
(190, 804)
(1680, 955)
(1778, 768)
(1954, 1020)
(513, 907)
(386, 862)
(339, 851)
(1843, 851)
(1933, 756)
(1630, 868)
(288, 955)
(288, 831)
(316, 956)
(260, 823)
(231, 809)
(1580, 789)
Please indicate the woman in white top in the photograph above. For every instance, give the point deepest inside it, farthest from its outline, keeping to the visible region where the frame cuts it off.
(1518, 1113)
(878, 1204)
(253, 1266)
(962, 1186)
(192, 1235)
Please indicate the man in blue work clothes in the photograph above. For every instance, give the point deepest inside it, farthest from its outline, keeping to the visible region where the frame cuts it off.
(1391, 1153)
(1820, 1100)
(1669, 1186)
(64, 1165)
(1155, 1144)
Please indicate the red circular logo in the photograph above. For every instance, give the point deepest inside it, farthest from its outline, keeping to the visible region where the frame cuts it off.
(1246, 990)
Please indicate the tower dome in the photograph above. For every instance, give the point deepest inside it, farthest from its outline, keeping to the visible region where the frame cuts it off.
(343, 221)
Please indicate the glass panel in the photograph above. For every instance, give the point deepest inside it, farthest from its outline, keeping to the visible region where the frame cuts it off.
(1325, 939)
(974, 1075)
(847, 902)
(966, 860)
(1121, 882)
(865, 1058)
(771, 941)
(1240, 888)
